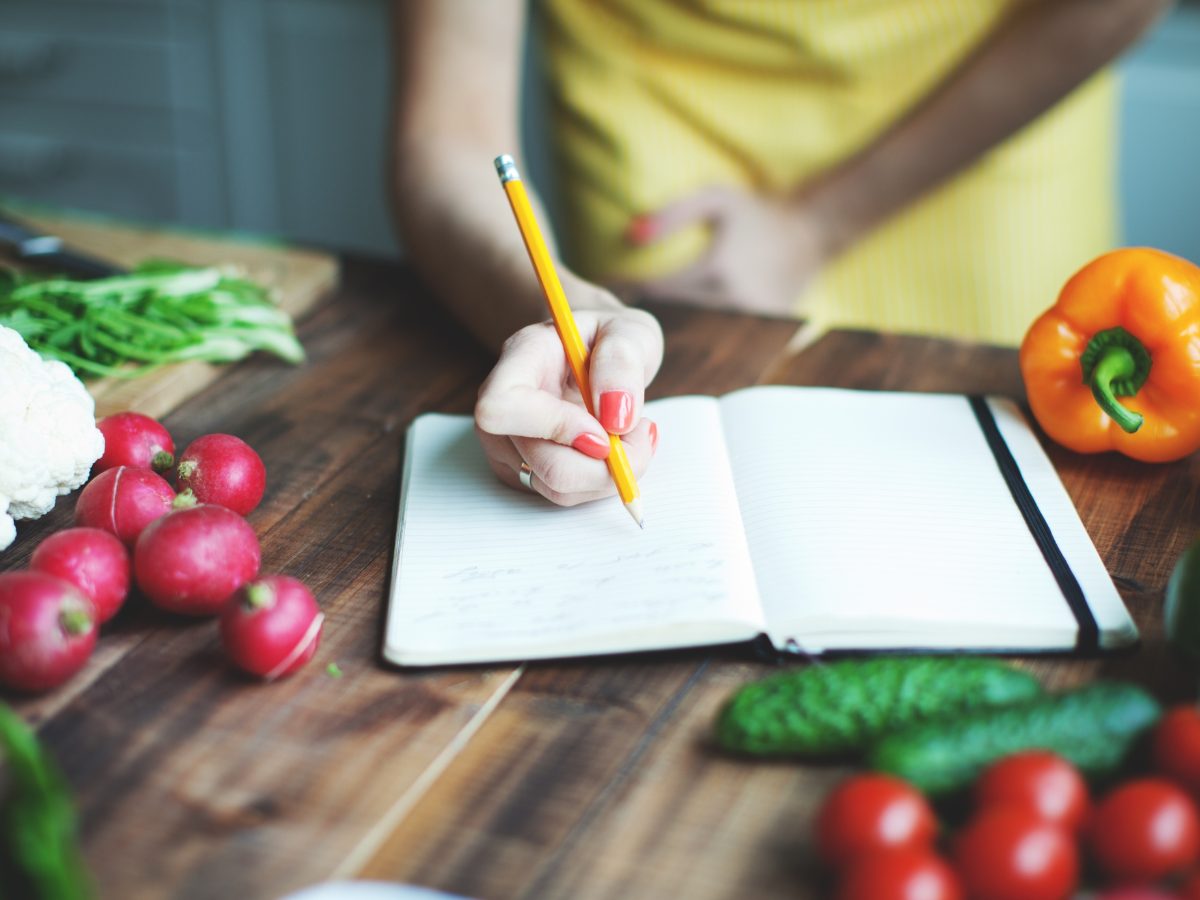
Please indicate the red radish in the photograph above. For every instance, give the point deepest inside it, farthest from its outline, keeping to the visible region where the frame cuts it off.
(222, 469)
(123, 501)
(272, 626)
(91, 559)
(47, 630)
(193, 559)
(132, 439)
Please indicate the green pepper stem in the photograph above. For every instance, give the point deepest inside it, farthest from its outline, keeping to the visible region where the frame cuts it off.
(1116, 363)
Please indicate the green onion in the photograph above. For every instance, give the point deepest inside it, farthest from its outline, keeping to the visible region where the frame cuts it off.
(128, 325)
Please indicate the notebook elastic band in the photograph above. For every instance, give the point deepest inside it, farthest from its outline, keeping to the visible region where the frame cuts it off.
(1089, 632)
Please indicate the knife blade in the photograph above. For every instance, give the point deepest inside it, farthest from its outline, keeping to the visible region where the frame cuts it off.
(48, 252)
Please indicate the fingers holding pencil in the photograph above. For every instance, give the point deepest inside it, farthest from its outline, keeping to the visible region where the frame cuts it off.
(527, 395)
(559, 473)
(567, 475)
(529, 410)
(574, 347)
(531, 392)
(625, 354)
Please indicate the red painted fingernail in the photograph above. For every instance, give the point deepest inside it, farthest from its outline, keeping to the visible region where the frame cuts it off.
(592, 446)
(653, 436)
(641, 229)
(616, 411)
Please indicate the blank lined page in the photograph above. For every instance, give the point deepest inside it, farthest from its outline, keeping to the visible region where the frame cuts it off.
(881, 519)
(486, 573)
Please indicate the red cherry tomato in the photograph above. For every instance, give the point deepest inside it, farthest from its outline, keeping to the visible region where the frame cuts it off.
(1011, 853)
(1039, 781)
(872, 812)
(1144, 830)
(1177, 747)
(905, 873)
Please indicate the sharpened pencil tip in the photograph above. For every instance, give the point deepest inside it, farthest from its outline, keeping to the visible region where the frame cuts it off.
(635, 510)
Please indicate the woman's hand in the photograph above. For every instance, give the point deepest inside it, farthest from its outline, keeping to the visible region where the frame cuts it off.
(762, 253)
(529, 408)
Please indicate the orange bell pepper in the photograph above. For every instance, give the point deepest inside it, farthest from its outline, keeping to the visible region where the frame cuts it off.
(1115, 363)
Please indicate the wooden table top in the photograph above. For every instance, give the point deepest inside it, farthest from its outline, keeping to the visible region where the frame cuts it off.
(588, 779)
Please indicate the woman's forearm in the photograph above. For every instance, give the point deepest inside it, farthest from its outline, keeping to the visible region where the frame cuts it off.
(1044, 50)
(457, 104)
(460, 234)
(457, 231)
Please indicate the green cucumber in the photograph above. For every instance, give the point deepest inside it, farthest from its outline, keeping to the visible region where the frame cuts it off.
(840, 708)
(1092, 727)
(1181, 611)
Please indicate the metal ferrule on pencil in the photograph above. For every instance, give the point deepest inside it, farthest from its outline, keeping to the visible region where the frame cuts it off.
(506, 168)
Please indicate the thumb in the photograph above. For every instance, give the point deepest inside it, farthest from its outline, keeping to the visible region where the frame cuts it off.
(704, 205)
(624, 359)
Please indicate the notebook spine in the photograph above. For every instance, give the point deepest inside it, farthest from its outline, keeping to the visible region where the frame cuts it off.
(789, 651)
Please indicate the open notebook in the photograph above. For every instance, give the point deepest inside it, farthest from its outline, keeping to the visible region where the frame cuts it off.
(824, 519)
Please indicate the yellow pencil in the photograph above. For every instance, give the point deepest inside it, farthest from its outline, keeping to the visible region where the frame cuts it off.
(564, 323)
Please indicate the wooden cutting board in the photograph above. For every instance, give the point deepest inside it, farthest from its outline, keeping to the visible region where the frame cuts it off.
(297, 277)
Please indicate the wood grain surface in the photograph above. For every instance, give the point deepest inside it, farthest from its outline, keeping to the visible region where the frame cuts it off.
(297, 279)
(580, 779)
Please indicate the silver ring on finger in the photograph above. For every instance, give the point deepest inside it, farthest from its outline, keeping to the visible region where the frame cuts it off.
(525, 474)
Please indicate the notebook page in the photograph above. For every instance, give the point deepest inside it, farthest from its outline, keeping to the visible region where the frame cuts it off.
(484, 573)
(871, 515)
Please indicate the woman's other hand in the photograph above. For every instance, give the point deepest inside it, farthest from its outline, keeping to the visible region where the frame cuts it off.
(762, 253)
(529, 408)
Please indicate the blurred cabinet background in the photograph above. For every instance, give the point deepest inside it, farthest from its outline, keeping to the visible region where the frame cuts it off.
(263, 116)
(1160, 128)
(270, 116)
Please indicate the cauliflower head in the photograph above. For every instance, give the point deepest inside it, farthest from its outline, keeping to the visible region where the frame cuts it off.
(48, 433)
